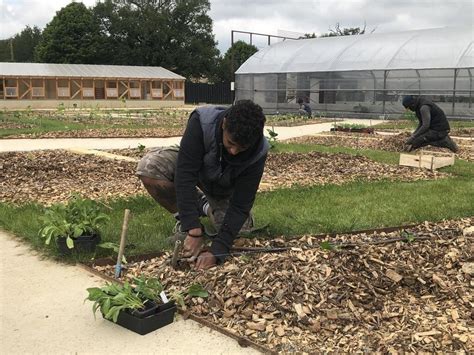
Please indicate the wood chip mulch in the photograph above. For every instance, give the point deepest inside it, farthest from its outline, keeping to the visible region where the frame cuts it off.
(380, 292)
(51, 176)
(314, 168)
(393, 143)
(108, 133)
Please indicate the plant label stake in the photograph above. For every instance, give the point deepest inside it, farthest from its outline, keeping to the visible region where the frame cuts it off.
(123, 237)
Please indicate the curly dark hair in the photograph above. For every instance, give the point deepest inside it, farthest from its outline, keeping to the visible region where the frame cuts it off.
(244, 122)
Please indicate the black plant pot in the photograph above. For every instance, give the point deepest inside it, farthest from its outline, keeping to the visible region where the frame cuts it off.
(82, 244)
(151, 318)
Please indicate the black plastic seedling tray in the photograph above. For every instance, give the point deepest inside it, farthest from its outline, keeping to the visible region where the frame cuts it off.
(144, 322)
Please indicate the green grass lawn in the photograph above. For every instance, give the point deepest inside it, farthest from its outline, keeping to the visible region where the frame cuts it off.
(290, 212)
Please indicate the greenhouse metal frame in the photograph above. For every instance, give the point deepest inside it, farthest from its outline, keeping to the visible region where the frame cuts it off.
(365, 75)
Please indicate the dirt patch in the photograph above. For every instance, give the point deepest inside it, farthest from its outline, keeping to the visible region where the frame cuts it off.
(51, 176)
(404, 291)
(388, 143)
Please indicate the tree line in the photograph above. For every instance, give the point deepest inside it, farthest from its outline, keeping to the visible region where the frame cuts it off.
(174, 34)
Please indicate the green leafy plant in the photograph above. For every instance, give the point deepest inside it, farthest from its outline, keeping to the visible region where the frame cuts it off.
(61, 108)
(326, 245)
(409, 237)
(79, 217)
(114, 247)
(141, 147)
(113, 298)
(349, 125)
(148, 288)
(196, 290)
(272, 139)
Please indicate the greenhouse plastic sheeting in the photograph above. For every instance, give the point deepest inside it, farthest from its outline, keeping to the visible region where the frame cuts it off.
(450, 47)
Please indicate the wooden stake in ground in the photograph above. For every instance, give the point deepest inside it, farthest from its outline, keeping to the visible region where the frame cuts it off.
(123, 237)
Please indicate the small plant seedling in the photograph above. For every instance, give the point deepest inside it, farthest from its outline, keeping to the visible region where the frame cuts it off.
(78, 217)
(196, 290)
(61, 108)
(113, 298)
(141, 147)
(245, 258)
(350, 125)
(272, 139)
(409, 237)
(326, 245)
(114, 247)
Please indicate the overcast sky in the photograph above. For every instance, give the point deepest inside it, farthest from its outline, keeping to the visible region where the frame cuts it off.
(279, 17)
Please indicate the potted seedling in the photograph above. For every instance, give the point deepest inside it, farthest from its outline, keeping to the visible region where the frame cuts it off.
(73, 226)
(142, 307)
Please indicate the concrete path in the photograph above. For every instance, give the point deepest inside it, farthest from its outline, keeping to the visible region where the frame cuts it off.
(42, 312)
(10, 145)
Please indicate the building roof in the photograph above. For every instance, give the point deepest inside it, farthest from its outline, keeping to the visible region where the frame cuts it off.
(450, 47)
(85, 71)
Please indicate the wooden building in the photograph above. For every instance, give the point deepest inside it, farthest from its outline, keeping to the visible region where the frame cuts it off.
(41, 85)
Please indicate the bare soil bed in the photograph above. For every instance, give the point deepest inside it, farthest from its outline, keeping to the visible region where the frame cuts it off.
(409, 291)
(388, 143)
(51, 176)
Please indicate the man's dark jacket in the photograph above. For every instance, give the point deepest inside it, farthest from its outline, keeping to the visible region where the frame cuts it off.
(203, 161)
(438, 120)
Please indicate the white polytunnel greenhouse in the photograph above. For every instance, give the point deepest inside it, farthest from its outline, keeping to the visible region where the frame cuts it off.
(365, 75)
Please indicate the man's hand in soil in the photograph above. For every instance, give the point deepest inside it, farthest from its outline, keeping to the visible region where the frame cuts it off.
(192, 244)
(205, 260)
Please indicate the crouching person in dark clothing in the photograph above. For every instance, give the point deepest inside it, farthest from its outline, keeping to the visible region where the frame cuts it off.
(433, 127)
(223, 153)
(305, 109)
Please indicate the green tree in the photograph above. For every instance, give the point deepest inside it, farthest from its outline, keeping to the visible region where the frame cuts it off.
(5, 50)
(235, 56)
(174, 34)
(72, 36)
(24, 44)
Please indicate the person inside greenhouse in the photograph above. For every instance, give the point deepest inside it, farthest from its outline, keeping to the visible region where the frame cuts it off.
(223, 153)
(304, 109)
(433, 126)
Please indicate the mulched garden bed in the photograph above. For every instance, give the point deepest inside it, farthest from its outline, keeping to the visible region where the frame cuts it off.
(51, 176)
(408, 291)
(314, 168)
(393, 143)
(160, 132)
(293, 121)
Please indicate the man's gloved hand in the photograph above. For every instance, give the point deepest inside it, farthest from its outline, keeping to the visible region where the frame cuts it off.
(205, 260)
(192, 246)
